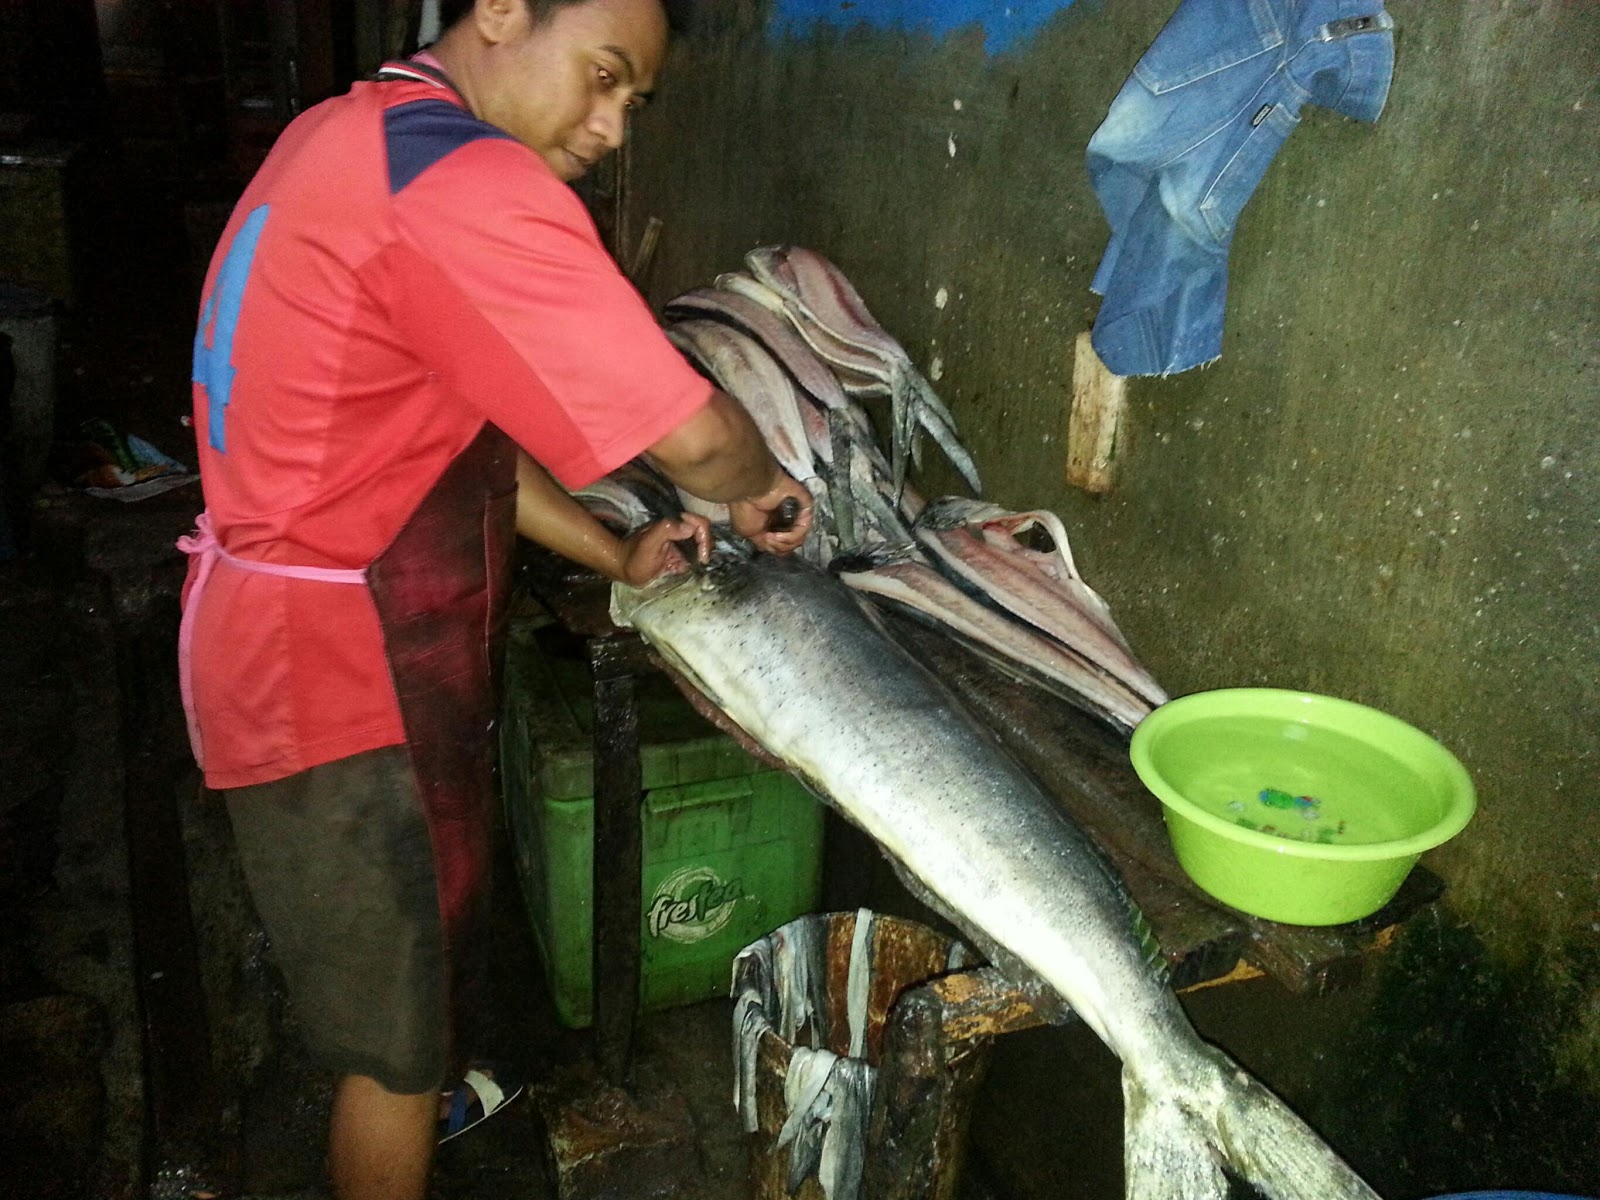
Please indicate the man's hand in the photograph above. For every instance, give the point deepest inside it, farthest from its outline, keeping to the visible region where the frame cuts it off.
(718, 455)
(548, 515)
(751, 518)
(651, 551)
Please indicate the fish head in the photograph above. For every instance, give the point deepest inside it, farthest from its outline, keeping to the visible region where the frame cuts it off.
(726, 572)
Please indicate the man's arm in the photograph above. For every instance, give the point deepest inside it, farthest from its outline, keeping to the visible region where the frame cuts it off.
(718, 454)
(548, 515)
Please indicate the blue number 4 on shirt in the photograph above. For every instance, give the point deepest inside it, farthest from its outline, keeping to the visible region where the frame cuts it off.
(213, 363)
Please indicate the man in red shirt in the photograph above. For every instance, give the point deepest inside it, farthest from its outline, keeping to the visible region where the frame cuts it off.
(410, 339)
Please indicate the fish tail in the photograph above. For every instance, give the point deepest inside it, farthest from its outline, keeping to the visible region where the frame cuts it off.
(1167, 1152)
(1182, 1143)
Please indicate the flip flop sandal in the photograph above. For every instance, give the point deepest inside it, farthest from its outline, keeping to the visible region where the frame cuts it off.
(475, 1099)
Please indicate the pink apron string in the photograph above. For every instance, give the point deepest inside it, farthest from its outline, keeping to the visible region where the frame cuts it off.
(204, 543)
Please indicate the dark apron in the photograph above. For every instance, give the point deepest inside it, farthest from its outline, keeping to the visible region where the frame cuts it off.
(441, 591)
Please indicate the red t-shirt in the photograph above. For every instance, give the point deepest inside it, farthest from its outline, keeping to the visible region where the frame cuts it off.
(396, 274)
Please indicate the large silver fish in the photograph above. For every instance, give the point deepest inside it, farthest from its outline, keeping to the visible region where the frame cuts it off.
(792, 657)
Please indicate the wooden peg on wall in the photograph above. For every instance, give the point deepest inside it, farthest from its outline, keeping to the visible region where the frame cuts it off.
(1098, 398)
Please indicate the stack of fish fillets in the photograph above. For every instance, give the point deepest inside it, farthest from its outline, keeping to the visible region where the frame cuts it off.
(794, 343)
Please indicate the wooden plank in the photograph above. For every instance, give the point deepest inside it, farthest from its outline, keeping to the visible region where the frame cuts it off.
(1076, 757)
(601, 1140)
(1083, 763)
(922, 1105)
(182, 1090)
(646, 253)
(1199, 940)
(1099, 399)
(578, 598)
(618, 856)
(981, 1003)
(1317, 960)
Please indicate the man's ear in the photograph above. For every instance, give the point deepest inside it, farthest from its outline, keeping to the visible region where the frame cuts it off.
(496, 20)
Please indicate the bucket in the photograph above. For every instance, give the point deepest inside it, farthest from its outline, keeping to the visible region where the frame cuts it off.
(1296, 807)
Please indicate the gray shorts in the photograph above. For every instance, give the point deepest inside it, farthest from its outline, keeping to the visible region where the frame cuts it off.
(340, 865)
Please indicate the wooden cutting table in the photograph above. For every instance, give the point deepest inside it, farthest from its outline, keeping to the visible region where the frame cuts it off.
(1079, 759)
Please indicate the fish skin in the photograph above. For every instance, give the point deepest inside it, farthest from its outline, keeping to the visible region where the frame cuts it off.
(860, 372)
(744, 369)
(1000, 528)
(1078, 651)
(877, 518)
(1063, 634)
(630, 497)
(824, 305)
(809, 282)
(830, 293)
(816, 378)
(1019, 588)
(711, 510)
(769, 328)
(833, 299)
(867, 360)
(1019, 649)
(819, 436)
(1086, 658)
(792, 658)
(836, 334)
(615, 505)
(819, 396)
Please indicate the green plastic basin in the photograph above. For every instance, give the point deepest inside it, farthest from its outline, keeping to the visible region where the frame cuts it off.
(1297, 807)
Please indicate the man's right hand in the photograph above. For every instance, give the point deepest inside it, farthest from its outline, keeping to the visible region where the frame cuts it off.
(751, 517)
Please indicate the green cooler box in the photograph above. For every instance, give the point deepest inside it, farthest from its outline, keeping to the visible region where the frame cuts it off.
(732, 848)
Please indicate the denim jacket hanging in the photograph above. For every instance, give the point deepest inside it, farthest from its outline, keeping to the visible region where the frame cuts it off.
(1187, 140)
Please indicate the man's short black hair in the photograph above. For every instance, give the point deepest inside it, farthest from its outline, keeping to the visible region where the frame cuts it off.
(451, 11)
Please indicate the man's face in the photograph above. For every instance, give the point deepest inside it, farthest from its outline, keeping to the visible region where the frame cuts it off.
(565, 86)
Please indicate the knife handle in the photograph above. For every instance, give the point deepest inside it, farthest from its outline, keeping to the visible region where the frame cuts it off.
(784, 516)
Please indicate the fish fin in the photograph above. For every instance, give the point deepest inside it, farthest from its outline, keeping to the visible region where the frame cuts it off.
(873, 556)
(1181, 1144)
(1148, 942)
(1166, 1149)
(1276, 1152)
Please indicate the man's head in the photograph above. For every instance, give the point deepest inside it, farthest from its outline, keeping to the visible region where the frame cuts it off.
(561, 76)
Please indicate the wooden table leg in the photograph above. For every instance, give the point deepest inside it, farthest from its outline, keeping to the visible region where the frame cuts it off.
(618, 853)
(935, 1052)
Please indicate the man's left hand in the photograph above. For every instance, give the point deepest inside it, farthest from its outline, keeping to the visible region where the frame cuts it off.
(652, 551)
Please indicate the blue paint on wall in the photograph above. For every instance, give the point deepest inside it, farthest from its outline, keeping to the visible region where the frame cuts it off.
(1005, 22)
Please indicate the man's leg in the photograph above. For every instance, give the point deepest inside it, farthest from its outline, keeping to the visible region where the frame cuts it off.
(380, 1143)
(340, 865)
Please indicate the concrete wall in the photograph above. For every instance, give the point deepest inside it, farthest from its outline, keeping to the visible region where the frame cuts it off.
(1385, 490)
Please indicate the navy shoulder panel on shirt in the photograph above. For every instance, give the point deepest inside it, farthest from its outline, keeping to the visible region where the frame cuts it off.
(419, 133)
